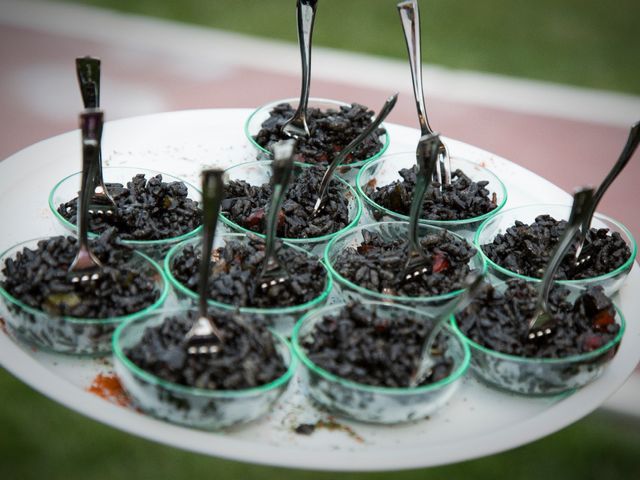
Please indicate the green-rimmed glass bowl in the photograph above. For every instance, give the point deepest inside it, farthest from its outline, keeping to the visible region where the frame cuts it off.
(540, 376)
(72, 335)
(280, 320)
(385, 170)
(259, 173)
(68, 187)
(611, 282)
(254, 123)
(194, 407)
(389, 231)
(369, 403)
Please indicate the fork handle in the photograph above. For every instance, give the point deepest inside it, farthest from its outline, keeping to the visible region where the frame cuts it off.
(626, 154)
(340, 157)
(306, 14)
(426, 158)
(472, 283)
(282, 169)
(88, 73)
(91, 128)
(410, 18)
(212, 195)
(582, 200)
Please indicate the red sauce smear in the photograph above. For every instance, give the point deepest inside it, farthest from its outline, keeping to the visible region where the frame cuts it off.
(3, 326)
(108, 386)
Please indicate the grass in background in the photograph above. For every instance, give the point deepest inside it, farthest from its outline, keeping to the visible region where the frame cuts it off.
(41, 439)
(582, 42)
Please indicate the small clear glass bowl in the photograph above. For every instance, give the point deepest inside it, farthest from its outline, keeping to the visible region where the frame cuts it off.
(385, 170)
(67, 189)
(71, 335)
(281, 320)
(611, 282)
(392, 231)
(369, 403)
(258, 173)
(540, 376)
(194, 407)
(254, 123)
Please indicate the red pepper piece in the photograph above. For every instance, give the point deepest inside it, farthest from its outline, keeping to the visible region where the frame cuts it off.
(591, 342)
(440, 263)
(603, 319)
(255, 218)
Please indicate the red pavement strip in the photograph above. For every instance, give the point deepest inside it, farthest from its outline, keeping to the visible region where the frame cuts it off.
(567, 152)
(39, 99)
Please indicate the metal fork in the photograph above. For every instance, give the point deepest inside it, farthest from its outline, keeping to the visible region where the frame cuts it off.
(340, 157)
(272, 272)
(297, 126)
(205, 337)
(86, 266)
(623, 159)
(410, 18)
(538, 322)
(427, 362)
(426, 157)
(88, 73)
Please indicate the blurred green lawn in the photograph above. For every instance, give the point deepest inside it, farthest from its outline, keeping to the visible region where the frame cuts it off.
(583, 42)
(41, 440)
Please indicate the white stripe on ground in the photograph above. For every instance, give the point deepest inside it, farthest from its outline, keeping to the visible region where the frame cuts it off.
(208, 45)
(201, 46)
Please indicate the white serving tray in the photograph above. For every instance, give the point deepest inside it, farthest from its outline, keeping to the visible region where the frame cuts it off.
(476, 422)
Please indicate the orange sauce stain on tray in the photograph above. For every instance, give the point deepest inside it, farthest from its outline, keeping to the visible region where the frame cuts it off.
(328, 424)
(108, 386)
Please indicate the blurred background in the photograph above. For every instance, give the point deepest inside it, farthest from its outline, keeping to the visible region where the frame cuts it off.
(552, 85)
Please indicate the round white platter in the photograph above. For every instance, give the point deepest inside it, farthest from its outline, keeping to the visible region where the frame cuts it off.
(476, 422)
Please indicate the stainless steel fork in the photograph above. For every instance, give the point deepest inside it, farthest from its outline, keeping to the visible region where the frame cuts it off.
(410, 18)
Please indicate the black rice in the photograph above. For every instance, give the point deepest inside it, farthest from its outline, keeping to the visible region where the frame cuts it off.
(234, 275)
(331, 130)
(147, 210)
(526, 250)
(361, 345)
(461, 199)
(376, 263)
(247, 359)
(245, 205)
(40, 278)
(498, 320)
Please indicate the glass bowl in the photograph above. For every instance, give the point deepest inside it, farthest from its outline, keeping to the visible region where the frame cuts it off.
(254, 123)
(369, 403)
(68, 187)
(540, 376)
(194, 407)
(611, 282)
(71, 335)
(391, 231)
(258, 173)
(281, 320)
(385, 170)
